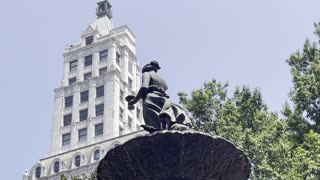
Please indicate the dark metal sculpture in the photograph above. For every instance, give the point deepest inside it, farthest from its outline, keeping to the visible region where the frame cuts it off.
(158, 112)
(175, 155)
(172, 151)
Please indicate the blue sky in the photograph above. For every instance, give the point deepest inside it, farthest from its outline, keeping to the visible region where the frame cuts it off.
(244, 42)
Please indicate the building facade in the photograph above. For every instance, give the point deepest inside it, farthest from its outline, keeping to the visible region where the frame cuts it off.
(90, 111)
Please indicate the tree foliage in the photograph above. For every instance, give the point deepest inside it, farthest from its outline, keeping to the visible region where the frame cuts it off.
(305, 70)
(278, 148)
(268, 141)
(93, 176)
(241, 118)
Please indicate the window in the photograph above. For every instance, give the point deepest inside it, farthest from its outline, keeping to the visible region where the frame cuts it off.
(121, 95)
(84, 96)
(73, 66)
(130, 83)
(88, 61)
(98, 129)
(38, 172)
(89, 40)
(82, 135)
(96, 155)
(83, 115)
(86, 76)
(67, 119)
(66, 139)
(104, 55)
(130, 67)
(99, 110)
(120, 131)
(118, 59)
(138, 113)
(103, 70)
(56, 166)
(68, 101)
(130, 122)
(100, 91)
(121, 114)
(77, 161)
(72, 81)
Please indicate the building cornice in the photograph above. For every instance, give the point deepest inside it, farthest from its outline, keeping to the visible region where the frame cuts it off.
(95, 144)
(104, 77)
(101, 40)
(126, 27)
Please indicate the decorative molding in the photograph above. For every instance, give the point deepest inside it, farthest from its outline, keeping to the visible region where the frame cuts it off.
(72, 74)
(68, 91)
(33, 169)
(72, 166)
(83, 105)
(84, 87)
(87, 69)
(102, 64)
(77, 88)
(66, 129)
(92, 154)
(73, 52)
(99, 100)
(52, 165)
(93, 82)
(89, 30)
(82, 125)
(59, 92)
(67, 110)
(124, 27)
(100, 81)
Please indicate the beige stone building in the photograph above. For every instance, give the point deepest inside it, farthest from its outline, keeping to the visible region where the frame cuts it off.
(90, 115)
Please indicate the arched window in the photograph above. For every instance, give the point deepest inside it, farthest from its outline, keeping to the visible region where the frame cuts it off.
(38, 172)
(56, 166)
(77, 161)
(96, 155)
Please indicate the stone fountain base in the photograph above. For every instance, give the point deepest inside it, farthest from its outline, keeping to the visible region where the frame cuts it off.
(175, 155)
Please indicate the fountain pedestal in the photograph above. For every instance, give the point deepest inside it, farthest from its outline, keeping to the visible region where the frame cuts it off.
(175, 155)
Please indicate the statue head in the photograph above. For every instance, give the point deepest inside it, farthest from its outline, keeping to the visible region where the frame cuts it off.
(152, 66)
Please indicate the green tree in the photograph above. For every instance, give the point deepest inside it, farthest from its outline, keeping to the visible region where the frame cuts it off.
(287, 148)
(242, 118)
(63, 177)
(305, 70)
(93, 176)
(206, 104)
(303, 119)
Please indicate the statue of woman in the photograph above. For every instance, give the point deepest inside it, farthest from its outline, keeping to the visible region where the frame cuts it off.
(158, 112)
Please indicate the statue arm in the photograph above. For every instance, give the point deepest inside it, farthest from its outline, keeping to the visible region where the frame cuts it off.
(143, 91)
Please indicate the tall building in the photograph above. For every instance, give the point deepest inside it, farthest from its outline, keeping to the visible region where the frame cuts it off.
(90, 114)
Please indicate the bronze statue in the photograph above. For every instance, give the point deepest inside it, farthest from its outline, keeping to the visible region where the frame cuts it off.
(173, 155)
(158, 112)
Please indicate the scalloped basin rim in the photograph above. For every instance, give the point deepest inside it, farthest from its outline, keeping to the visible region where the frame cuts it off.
(175, 155)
